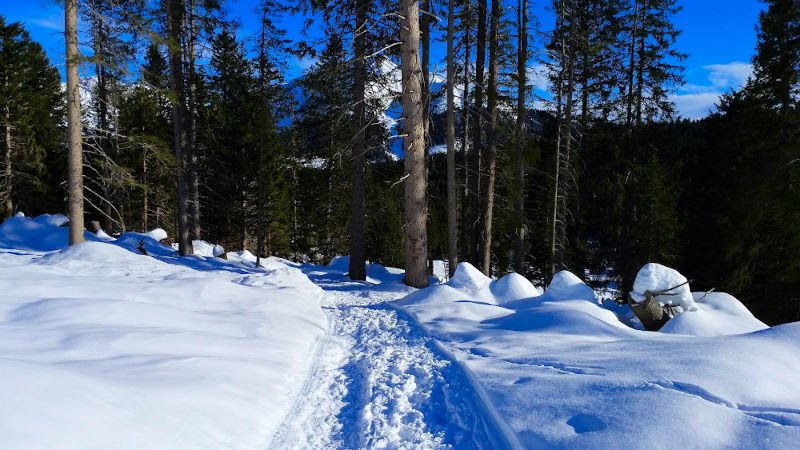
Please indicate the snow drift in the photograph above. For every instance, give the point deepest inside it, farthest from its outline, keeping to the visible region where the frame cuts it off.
(564, 372)
(103, 347)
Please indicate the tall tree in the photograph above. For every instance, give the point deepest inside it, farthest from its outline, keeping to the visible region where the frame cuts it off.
(452, 196)
(414, 147)
(357, 269)
(175, 14)
(518, 190)
(491, 142)
(75, 164)
(777, 60)
(31, 115)
(471, 227)
(564, 54)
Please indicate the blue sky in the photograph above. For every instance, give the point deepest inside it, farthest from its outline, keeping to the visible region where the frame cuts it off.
(718, 35)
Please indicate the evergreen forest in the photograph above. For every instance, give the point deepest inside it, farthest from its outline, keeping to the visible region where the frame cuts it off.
(385, 152)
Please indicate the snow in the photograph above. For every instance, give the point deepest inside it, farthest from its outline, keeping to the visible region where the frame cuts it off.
(103, 347)
(562, 371)
(655, 277)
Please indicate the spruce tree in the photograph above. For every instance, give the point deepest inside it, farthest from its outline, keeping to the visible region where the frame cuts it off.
(31, 114)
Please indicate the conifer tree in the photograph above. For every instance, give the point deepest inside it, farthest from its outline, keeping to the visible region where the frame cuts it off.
(31, 113)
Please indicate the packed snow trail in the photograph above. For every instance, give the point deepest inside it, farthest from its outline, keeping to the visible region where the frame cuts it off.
(379, 382)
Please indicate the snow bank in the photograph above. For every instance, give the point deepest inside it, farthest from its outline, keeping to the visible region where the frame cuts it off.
(103, 347)
(716, 314)
(563, 372)
(44, 233)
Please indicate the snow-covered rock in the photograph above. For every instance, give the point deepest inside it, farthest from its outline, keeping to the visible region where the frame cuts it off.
(655, 277)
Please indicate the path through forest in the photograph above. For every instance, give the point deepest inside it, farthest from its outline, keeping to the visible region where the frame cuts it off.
(379, 382)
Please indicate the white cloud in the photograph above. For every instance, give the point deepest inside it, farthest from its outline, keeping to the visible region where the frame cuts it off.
(56, 24)
(695, 101)
(696, 105)
(729, 76)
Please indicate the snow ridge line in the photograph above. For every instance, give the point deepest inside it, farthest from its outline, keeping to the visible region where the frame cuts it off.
(507, 438)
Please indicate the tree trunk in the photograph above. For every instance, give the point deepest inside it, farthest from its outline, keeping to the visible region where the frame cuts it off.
(519, 160)
(416, 245)
(425, 33)
(473, 203)
(74, 145)
(491, 140)
(193, 181)
(466, 236)
(358, 253)
(262, 93)
(175, 22)
(631, 69)
(566, 140)
(8, 195)
(452, 200)
(145, 191)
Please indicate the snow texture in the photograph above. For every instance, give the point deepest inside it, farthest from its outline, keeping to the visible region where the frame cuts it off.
(103, 347)
(563, 372)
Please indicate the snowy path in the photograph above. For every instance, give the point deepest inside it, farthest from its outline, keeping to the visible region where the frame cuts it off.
(379, 382)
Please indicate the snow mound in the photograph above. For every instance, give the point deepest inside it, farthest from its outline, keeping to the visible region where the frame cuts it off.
(565, 285)
(103, 236)
(339, 264)
(92, 252)
(468, 277)
(157, 234)
(207, 249)
(513, 286)
(655, 277)
(43, 233)
(717, 314)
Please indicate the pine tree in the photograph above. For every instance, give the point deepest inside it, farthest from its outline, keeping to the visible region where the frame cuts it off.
(31, 104)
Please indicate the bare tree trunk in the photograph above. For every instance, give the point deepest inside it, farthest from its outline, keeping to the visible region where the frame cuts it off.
(262, 93)
(74, 145)
(358, 253)
(491, 141)
(175, 22)
(473, 201)
(8, 195)
(416, 245)
(565, 141)
(466, 236)
(145, 192)
(556, 241)
(452, 199)
(519, 160)
(193, 208)
(425, 32)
